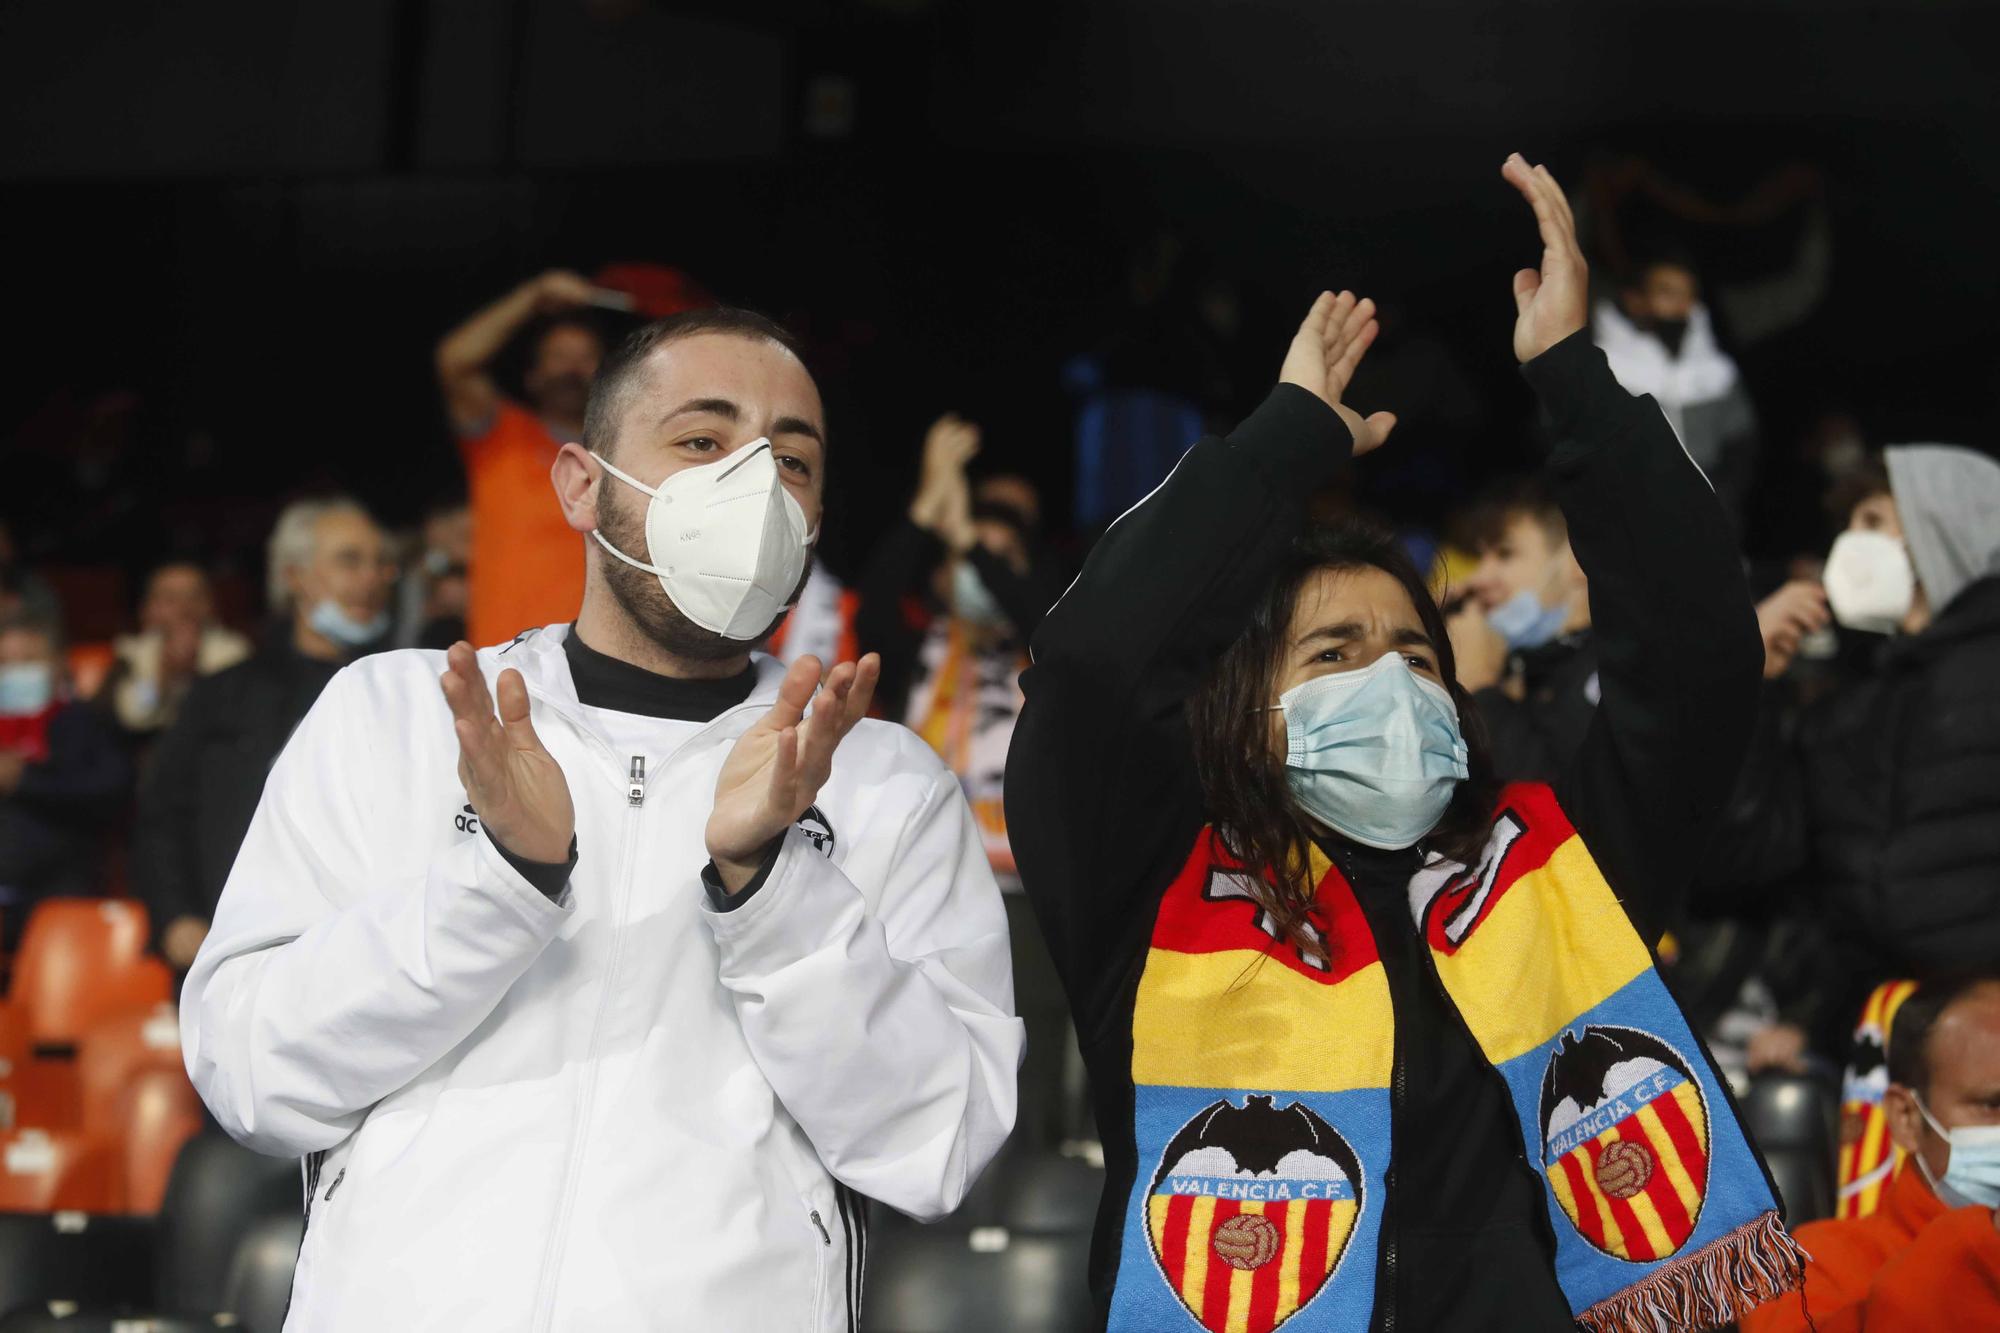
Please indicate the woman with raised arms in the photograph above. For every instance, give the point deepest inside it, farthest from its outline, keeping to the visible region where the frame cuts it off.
(1374, 1042)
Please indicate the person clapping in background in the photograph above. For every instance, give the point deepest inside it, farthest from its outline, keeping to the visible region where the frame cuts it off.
(179, 640)
(949, 600)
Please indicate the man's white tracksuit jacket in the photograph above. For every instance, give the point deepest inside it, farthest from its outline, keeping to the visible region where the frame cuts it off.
(623, 1109)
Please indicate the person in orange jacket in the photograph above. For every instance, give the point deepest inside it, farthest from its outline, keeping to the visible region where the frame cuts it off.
(1929, 1258)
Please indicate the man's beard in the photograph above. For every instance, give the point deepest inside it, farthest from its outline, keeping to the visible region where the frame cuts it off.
(646, 603)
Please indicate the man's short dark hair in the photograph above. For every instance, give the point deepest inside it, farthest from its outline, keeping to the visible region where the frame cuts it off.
(1515, 497)
(614, 377)
(1910, 1034)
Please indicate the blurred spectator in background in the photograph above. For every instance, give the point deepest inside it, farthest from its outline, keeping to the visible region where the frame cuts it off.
(1522, 634)
(178, 640)
(526, 565)
(1660, 340)
(1891, 790)
(22, 591)
(820, 623)
(63, 777)
(949, 600)
(432, 597)
(1930, 1258)
(329, 582)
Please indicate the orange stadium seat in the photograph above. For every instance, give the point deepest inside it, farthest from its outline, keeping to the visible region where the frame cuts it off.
(158, 1113)
(115, 1051)
(83, 959)
(43, 1170)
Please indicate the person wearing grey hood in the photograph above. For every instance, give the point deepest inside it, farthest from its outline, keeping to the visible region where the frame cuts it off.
(1889, 794)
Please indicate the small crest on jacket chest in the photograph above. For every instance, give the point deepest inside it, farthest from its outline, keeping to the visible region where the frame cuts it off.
(818, 830)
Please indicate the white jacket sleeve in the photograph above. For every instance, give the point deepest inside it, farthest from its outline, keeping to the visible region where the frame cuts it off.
(330, 978)
(889, 1035)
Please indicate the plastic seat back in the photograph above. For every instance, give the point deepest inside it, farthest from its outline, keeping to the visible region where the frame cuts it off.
(159, 1113)
(82, 960)
(43, 1170)
(1795, 1122)
(218, 1188)
(260, 1278)
(114, 1051)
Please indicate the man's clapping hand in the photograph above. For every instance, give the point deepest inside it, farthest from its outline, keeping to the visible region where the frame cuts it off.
(775, 771)
(515, 785)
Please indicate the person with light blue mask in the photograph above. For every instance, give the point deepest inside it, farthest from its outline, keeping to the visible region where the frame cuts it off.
(1521, 632)
(1369, 1031)
(330, 576)
(1929, 1256)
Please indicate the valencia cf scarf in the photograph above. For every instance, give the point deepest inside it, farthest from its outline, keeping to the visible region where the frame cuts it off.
(1261, 1098)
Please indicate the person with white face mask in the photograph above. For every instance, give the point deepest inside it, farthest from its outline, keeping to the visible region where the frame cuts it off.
(1355, 1032)
(1888, 790)
(1930, 1256)
(599, 976)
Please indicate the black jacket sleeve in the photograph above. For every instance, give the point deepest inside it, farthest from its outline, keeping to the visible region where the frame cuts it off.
(900, 563)
(1102, 795)
(1678, 651)
(1026, 598)
(166, 859)
(1522, 749)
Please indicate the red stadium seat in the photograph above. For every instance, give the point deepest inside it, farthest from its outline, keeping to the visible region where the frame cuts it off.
(43, 1170)
(116, 1050)
(159, 1112)
(83, 959)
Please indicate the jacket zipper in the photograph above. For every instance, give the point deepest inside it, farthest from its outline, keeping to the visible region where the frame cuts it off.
(545, 1301)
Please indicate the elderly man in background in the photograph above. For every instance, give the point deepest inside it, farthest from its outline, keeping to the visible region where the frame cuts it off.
(329, 583)
(179, 640)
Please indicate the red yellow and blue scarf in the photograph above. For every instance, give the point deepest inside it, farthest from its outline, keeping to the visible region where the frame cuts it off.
(1261, 1085)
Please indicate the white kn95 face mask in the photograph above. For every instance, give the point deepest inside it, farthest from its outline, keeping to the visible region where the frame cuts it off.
(728, 540)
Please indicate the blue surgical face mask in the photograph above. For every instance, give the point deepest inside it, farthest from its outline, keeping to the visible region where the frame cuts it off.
(26, 688)
(1373, 754)
(1973, 1173)
(329, 619)
(1524, 622)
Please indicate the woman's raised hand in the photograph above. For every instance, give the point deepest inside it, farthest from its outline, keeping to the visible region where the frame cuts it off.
(1322, 358)
(1552, 302)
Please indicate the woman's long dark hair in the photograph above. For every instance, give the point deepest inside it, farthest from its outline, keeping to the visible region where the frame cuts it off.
(1249, 802)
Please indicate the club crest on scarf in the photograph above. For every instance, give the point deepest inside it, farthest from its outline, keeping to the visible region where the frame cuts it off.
(1251, 1210)
(1625, 1141)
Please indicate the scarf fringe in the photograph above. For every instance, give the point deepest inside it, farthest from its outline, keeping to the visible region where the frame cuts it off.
(1716, 1285)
